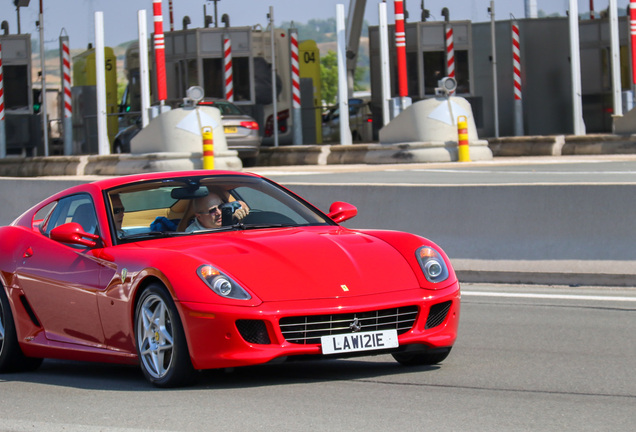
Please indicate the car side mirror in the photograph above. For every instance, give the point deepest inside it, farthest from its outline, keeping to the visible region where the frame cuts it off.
(342, 211)
(73, 233)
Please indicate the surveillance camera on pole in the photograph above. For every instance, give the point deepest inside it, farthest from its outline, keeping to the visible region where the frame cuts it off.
(446, 86)
(194, 95)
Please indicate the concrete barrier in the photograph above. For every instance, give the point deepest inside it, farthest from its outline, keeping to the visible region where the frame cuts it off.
(563, 145)
(554, 234)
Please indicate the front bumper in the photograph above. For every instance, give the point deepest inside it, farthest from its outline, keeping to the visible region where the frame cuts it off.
(246, 145)
(215, 341)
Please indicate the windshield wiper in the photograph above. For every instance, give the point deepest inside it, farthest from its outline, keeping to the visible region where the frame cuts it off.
(267, 225)
(219, 229)
(153, 235)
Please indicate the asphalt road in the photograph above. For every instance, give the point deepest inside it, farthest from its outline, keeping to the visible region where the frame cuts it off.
(527, 358)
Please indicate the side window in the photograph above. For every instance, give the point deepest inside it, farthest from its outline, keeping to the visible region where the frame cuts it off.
(76, 208)
(41, 218)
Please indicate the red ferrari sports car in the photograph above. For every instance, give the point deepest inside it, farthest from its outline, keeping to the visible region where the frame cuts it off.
(185, 271)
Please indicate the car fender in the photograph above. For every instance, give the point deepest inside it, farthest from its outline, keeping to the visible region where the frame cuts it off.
(407, 244)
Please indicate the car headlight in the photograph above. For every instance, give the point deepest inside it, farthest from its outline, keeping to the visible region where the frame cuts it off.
(222, 284)
(432, 264)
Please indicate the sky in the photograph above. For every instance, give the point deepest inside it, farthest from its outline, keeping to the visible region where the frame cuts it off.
(76, 17)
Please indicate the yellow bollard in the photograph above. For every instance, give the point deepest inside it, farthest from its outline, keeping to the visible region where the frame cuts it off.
(462, 143)
(208, 148)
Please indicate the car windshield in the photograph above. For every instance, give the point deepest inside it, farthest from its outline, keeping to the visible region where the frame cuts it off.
(225, 107)
(170, 207)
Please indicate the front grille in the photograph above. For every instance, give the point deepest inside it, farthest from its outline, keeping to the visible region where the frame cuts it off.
(309, 329)
(253, 331)
(437, 314)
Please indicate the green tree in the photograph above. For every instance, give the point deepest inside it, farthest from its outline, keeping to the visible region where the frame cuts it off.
(329, 77)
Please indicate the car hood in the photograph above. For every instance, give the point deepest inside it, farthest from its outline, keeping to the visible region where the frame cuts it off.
(303, 263)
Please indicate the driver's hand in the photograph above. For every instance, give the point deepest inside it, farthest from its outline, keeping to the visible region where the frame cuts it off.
(242, 211)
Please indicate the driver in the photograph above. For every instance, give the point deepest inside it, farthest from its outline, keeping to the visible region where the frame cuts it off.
(207, 211)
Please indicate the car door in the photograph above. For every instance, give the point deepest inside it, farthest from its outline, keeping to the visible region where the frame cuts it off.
(60, 281)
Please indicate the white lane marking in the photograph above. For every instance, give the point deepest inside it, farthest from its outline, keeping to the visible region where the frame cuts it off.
(28, 425)
(535, 172)
(549, 296)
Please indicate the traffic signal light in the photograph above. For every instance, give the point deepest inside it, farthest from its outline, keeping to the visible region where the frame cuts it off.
(37, 100)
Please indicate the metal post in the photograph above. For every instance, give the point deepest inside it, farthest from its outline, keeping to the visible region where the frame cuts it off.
(43, 109)
(160, 53)
(450, 51)
(3, 136)
(274, 90)
(103, 145)
(65, 70)
(208, 147)
(227, 66)
(384, 60)
(400, 47)
(531, 8)
(632, 40)
(171, 14)
(616, 59)
(295, 81)
(575, 65)
(343, 94)
(516, 70)
(491, 9)
(144, 75)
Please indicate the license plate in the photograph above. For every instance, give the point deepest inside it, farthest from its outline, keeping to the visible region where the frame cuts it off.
(352, 342)
(230, 129)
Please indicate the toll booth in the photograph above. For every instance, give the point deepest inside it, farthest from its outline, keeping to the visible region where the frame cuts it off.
(195, 57)
(425, 63)
(310, 91)
(546, 75)
(596, 73)
(23, 128)
(84, 100)
(546, 78)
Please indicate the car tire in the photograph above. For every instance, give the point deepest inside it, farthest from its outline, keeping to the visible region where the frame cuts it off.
(160, 339)
(11, 357)
(422, 358)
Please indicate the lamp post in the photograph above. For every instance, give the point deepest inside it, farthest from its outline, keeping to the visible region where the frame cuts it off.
(18, 4)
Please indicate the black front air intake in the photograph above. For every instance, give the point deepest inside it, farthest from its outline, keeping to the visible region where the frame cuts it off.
(253, 331)
(437, 314)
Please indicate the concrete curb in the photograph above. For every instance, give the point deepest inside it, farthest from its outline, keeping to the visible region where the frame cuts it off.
(321, 155)
(115, 164)
(563, 145)
(544, 278)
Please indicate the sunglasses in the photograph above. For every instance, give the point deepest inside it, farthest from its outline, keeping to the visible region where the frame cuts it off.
(214, 209)
(118, 210)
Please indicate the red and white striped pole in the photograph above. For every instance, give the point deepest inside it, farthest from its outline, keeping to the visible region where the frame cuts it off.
(171, 15)
(295, 78)
(632, 33)
(3, 138)
(295, 68)
(516, 60)
(66, 94)
(450, 52)
(227, 64)
(516, 70)
(1, 87)
(160, 52)
(400, 47)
